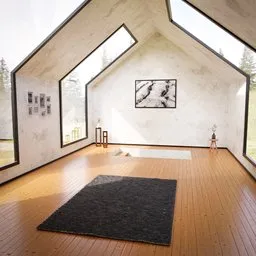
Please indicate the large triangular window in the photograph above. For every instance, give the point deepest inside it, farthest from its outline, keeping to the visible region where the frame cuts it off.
(73, 86)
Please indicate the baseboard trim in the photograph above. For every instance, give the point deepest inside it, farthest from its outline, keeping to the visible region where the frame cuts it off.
(41, 166)
(241, 165)
(161, 145)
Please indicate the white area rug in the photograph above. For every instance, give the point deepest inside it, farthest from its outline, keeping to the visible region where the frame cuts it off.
(154, 153)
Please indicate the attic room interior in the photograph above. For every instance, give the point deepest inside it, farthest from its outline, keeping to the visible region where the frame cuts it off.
(128, 127)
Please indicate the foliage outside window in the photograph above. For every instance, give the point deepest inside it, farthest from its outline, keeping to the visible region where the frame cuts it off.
(228, 47)
(6, 130)
(74, 85)
(248, 65)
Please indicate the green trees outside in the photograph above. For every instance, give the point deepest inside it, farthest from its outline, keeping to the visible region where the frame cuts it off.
(5, 81)
(105, 60)
(248, 65)
(221, 52)
(71, 86)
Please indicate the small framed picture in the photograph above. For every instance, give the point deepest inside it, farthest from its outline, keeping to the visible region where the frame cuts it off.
(36, 109)
(43, 113)
(36, 99)
(48, 99)
(49, 109)
(30, 97)
(42, 100)
(30, 110)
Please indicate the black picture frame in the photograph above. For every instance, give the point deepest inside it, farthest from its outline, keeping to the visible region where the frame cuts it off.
(30, 97)
(42, 100)
(30, 110)
(49, 109)
(165, 103)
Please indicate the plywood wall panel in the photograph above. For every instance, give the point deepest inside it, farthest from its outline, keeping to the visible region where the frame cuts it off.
(85, 32)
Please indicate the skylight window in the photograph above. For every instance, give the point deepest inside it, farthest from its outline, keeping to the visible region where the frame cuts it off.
(229, 48)
(208, 32)
(73, 85)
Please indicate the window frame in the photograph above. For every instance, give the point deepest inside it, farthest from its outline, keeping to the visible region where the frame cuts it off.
(247, 94)
(14, 123)
(88, 83)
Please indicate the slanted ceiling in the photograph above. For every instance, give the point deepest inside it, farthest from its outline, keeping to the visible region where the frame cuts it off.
(191, 47)
(91, 26)
(98, 19)
(238, 16)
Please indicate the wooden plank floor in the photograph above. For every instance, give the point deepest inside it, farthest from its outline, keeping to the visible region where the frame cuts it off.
(215, 210)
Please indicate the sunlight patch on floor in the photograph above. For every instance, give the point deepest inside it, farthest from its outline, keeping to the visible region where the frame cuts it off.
(154, 153)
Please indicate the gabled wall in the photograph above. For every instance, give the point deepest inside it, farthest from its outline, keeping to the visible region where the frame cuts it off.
(228, 13)
(201, 99)
(39, 136)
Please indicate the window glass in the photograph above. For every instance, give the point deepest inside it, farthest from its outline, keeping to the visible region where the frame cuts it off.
(73, 86)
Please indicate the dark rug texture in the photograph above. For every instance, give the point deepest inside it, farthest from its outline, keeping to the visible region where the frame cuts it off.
(126, 208)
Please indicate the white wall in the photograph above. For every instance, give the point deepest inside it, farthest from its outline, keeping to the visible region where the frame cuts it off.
(201, 99)
(39, 137)
(236, 116)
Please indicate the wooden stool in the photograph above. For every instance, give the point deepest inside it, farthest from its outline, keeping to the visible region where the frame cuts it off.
(98, 135)
(105, 139)
(213, 144)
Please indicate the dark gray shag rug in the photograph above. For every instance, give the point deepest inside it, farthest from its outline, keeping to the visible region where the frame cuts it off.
(126, 208)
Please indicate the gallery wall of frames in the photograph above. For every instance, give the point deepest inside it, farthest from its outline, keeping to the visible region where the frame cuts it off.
(39, 104)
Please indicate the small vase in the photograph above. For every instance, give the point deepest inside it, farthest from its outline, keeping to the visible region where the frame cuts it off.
(213, 136)
(98, 123)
